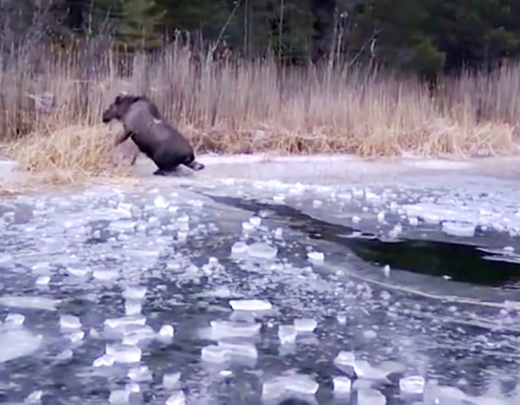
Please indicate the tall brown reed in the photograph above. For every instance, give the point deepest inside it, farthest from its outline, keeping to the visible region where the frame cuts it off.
(252, 106)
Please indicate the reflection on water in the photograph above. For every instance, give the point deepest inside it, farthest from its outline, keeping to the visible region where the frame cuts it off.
(174, 297)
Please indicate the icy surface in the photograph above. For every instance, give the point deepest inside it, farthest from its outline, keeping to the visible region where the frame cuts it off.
(170, 295)
(412, 385)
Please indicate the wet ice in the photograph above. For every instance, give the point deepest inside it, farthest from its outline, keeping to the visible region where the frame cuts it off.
(287, 334)
(250, 305)
(302, 290)
(316, 256)
(177, 398)
(171, 380)
(68, 322)
(412, 385)
(239, 348)
(107, 360)
(139, 374)
(305, 325)
(17, 343)
(278, 387)
(14, 320)
(370, 396)
(342, 385)
(215, 354)
(222, 329)
(261, 250)
(124, 353)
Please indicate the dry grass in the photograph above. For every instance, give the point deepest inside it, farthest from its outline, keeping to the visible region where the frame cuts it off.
(236, 107)
(71, 154)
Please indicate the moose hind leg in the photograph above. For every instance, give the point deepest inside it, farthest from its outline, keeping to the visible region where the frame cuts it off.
(165, 162)
(192, 163)
(160, 172)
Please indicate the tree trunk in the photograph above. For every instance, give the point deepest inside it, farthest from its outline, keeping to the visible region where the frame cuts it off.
(75, 15)
(323, 26)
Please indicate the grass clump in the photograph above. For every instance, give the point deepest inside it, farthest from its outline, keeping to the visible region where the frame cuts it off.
(243, 107)
(74, 153)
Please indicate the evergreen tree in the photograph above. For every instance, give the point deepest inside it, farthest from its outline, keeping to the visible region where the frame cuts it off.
(139, 22)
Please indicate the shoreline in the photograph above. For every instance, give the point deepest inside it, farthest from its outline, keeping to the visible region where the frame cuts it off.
(319, 168)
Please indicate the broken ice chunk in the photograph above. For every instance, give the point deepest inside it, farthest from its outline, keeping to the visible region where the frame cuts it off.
(160, 202)
(141, 373)
(41, 268)
(369, 396)
(363, 369)
(342, 319)
(247, 226)
(242, 317)
(184, 218)
(301, 384)
(133, 334)
(14, 320)
(134, 292)
(370, 334)
(238, 248)
(316, 256)
(342, 385)
(43, 280)
(458, 229)
(255, 221)
(261, 250)
(413, 221)
(105, 275)
(77, 271)
(124, 353)
(67, 354)
(133, 307)
(166, 333)
(171, 380)
(177, 398)
(17, 343)
(68, 322)
(104, 361)
(220, 329)
(412, 385)
(34, 397)
(215, 354)
(305, 325)
(345, 361)
(273, 388)
(119, 397)
(76, 336)
(29, 302)
(241, 349)
(250, 305)
(117, 323)
(287, 334)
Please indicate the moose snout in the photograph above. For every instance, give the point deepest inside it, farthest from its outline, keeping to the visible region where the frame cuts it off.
(107, 117)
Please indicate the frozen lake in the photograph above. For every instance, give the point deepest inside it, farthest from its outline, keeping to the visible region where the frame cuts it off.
(234, 288)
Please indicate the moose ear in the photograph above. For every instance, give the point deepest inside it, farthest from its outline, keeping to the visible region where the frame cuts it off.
(120, 97)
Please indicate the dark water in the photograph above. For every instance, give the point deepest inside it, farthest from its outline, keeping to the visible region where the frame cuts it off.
(177, 246)
(461, 262)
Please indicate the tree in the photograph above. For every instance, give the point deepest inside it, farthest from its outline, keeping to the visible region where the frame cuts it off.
(323, 28)
(140, 18)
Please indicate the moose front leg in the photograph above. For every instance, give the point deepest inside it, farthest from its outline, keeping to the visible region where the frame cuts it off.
(122, 137)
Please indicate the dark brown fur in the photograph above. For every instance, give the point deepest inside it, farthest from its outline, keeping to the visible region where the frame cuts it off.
(154, 137)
